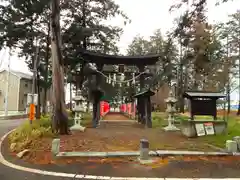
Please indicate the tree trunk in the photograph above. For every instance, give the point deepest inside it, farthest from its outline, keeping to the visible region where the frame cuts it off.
(60, 116)
(238, 112)
(180, 95)
(46, 72)
(228, 99)
(70, 104)
(88, 106)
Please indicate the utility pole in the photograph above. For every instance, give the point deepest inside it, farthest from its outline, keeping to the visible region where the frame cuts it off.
(34, 70)
(228, 78)
(7, 83)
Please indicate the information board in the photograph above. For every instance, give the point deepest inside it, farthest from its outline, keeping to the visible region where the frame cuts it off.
(209, 128)
(200, 130)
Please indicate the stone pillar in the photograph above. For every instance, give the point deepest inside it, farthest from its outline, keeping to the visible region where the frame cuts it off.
(231, 146)
(94, 113)
(98, 87)
(144, 152)
(141, 110)
(148, 112)
(55, 147)
(237, 140)
(78, 109)
(144, 149)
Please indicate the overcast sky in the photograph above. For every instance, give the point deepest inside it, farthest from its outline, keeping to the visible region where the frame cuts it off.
(146, 16)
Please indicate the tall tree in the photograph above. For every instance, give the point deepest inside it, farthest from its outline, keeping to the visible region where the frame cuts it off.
(60, 116)
(233, 29)
(163, 71)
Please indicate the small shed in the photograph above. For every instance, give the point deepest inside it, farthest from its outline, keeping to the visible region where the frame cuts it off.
(203, 103)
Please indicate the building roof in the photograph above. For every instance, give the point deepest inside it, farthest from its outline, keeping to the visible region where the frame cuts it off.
(204, 94)
(144, 93)
(22, 74)
(18, 74)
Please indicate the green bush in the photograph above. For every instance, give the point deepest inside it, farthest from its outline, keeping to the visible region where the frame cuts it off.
(70, 113)
(158, 119)
(27, 133)
(70, 121)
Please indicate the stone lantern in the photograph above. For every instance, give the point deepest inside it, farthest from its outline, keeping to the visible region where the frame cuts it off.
(171, 110)
(78, 109)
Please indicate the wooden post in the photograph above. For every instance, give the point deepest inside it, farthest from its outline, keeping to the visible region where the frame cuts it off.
(141, 110)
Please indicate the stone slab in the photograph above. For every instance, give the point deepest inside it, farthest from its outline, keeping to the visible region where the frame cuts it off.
(231, 146)
(165, 152)
(146, 161)
(130, 153)
(137, 153)
(55, 147)
(82, 154)
(97, 154)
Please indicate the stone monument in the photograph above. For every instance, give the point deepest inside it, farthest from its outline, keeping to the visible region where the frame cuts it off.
(171, 110)
(78, 109)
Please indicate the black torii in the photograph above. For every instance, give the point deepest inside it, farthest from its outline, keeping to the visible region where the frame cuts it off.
(104, 59)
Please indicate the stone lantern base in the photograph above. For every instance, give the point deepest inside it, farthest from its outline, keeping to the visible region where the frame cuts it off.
(171, 127)
(77, 123)
(77, 127)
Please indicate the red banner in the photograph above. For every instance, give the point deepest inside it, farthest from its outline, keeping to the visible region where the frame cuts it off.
(104, 108)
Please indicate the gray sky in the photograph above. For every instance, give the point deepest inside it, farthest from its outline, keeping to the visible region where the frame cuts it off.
(146, 16)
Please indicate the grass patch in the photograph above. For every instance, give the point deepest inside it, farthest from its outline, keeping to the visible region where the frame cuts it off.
(220, 140)
(182, 117)
(87, 119)
(159, 119)
(25, 134)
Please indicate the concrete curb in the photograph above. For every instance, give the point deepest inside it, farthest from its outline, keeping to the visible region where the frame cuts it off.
(13, 117)
(137, 153)
(81, 176)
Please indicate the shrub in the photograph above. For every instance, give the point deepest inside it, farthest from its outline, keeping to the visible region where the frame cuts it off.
(27, 133)
(70, 113)
(158, 119)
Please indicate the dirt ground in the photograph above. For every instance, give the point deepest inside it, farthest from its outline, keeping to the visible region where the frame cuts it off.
(115, 136)
(120, 136)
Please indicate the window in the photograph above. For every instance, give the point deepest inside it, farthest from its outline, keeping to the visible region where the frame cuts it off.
(26, 84)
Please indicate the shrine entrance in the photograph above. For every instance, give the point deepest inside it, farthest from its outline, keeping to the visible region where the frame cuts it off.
(120, 70)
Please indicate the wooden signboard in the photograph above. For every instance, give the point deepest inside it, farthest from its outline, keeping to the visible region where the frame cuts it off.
(200, 130)
(32, 112)
(209, 128)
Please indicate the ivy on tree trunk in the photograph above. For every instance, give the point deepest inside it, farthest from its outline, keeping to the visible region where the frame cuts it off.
(60, 116)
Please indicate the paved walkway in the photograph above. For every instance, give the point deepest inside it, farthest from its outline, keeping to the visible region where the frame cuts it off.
(115, 116)
(7, 173)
